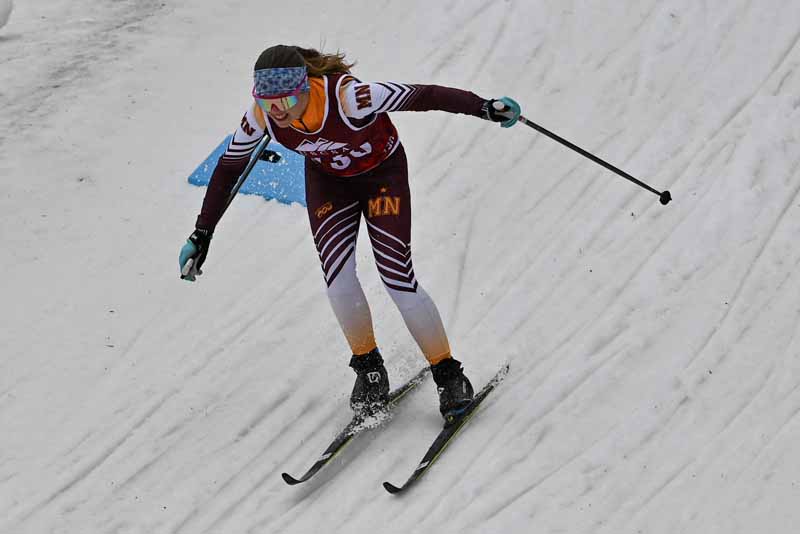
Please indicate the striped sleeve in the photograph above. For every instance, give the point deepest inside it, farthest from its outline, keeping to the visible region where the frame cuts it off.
(229, 167)
(244, 139)
(362, 99)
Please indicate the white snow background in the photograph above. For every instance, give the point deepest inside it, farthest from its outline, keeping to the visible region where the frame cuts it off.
(654, 351)
(6, 7)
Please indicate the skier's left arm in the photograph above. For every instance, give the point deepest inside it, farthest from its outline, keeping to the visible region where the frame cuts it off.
(362, 99)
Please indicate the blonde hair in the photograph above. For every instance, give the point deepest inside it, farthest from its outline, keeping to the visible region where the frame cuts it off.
(319, 64)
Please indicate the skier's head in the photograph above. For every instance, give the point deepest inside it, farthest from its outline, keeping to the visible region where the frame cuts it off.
(281, 84)
(316, 62)
(281, 79)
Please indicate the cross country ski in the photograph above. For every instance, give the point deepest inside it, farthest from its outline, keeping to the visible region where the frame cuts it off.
(451, 428)
(357, 425)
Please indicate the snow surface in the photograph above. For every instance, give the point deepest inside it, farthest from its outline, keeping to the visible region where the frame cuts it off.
(655, 383)
(6, 6)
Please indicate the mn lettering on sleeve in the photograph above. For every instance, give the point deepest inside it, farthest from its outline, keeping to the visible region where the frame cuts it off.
(249, 130)
(363, 96)
(244, 140)
(364, 99)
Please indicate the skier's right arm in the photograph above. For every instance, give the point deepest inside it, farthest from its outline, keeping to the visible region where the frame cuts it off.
(229, 167)
(361, 100)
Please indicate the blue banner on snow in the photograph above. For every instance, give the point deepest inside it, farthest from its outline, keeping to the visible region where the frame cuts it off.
(284, 181)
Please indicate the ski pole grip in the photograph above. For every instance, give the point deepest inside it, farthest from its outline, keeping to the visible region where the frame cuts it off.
(499, 106)
(187, 268)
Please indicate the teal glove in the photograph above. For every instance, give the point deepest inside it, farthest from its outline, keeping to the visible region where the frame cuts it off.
(194, 253)
(504, 110)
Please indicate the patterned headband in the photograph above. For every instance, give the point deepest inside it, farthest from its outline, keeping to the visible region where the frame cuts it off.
(281, 81)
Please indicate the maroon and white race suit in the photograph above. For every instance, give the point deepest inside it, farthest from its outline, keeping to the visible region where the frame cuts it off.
(355, 168)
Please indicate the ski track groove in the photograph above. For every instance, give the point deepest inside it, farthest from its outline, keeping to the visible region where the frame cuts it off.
(144, 468)
(659, 490)
(636, 30)
(786, 76)
(9, 477)
(66, 454)
(517, 496)
(180, 425)
(129, 346)
(554, 186)
(93, 48)
(532, 263)
(281, 401)
(465, 151)
(508, 287)
(740, 410)
(590, 176)
(95, 464)
(462, 268)
(226, 342)
(791, 418)
(287, 288)
(234, 478)
(716, 131)
(524, 153)
(443, 152)
(784, 56)
(633, 274)
(460, 278)
(767, 443)
(684, 216)
(470, 80)
(473, 216)
(482, 452)
(659, 426)
(469, 18)
(734, 300)
(537, 439)
(450, 54)
(711, 443)
(292, 453)
(579, 163)
(580, 381)
(618, 293)
(748, 100)
(569, 391)
(663, 423)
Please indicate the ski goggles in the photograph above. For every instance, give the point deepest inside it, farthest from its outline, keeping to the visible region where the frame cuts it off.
(282, 103)
(280, 87)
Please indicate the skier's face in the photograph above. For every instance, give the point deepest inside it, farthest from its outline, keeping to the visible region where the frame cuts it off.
(282, 93)
(282, 112)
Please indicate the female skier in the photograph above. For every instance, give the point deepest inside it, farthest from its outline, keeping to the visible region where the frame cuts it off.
(355, 166)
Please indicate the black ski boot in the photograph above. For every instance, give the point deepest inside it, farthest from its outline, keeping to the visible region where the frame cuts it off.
(455, 390)
(371, 390)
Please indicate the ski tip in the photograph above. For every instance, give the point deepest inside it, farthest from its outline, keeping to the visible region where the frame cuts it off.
(391, 488)
(501, 374)
(289, 479)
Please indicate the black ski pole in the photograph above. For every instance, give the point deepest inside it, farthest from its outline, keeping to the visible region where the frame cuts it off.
(257, 154)
(664, 196)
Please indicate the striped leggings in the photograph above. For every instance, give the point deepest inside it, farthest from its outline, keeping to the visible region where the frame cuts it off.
(335, 209)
